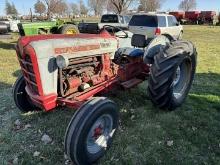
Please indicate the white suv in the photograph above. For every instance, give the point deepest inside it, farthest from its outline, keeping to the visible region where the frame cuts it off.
(152, 25)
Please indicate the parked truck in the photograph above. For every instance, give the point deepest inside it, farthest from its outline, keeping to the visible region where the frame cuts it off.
(10, 23)
(120, 21)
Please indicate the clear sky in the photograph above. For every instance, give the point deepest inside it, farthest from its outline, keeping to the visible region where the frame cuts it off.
(23, 6)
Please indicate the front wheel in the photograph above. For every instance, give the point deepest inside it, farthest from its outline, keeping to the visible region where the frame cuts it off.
(91, 130)
(21, 99)
(172, 74)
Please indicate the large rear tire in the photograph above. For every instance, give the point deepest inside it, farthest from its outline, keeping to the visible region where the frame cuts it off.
(68, 29)
(91, 131)
(21, 99)
(172, 75)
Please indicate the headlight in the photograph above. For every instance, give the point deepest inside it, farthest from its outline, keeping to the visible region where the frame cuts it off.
(62, 62)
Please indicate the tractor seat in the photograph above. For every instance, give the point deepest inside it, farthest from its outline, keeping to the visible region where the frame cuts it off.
(132, 52)
(139, 42)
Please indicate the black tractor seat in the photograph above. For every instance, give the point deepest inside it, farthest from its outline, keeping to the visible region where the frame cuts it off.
(139, 42)
(132, 52)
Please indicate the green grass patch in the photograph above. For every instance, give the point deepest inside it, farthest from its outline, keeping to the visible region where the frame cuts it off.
(145, 131)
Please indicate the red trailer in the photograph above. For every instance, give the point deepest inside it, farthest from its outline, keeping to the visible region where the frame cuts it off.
(180, 15)
(192, 16)
(209, 17)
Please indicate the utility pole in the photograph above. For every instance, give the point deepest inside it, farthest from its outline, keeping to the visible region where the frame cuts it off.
(31, 15)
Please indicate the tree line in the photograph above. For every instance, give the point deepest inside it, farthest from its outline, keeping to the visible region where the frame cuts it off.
(10, 9)
(98, 7)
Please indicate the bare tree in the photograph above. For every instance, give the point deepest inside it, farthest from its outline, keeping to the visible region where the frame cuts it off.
(61, 8)
(83, 8)
(187, 5)
(97, 6)
(14, 10)
(51, 5)
(119, 6)
(74, 8)
(10, 9)
(39, 7)
(149, 5)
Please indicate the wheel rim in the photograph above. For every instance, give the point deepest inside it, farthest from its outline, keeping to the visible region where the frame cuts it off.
(177, 76)
(71, 31)
(181, 79)
(99, 134)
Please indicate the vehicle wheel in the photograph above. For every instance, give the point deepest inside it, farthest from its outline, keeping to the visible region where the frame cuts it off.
(172, 74)
(180, 36)
(68, 29)
(91, 130)
(21, 99)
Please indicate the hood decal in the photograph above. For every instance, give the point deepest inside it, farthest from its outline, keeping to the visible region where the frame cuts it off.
(74, 49)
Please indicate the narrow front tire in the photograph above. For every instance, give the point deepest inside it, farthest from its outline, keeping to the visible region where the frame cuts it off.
(91, 131)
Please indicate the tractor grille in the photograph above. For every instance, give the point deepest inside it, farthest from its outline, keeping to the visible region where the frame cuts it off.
(28, 72)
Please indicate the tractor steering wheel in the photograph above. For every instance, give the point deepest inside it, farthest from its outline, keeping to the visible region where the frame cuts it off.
(114, 29)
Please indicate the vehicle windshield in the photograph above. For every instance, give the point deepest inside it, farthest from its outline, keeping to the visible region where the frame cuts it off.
(143, 20)
(127, 18)
(109, 19)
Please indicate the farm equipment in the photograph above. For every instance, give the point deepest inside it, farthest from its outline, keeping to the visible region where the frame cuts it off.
(70, 70)
(47, 27)
(192, 17)
(208, 17)
(180, 15)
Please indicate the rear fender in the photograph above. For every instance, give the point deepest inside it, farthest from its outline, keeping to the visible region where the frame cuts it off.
(154, 48)
(171, 38)
(65, 23)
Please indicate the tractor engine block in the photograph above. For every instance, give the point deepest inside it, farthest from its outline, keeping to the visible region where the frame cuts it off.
(83, 73)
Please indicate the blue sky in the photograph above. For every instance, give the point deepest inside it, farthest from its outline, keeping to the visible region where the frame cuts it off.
(23, 6)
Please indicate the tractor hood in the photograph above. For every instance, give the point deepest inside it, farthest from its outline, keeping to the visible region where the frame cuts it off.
(73, 46)
(42, 51)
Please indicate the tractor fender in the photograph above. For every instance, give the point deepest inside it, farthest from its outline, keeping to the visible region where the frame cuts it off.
(154, 48)
(60, 26)
(171, 38)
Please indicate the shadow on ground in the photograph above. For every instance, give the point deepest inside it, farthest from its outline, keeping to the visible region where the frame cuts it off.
(4, 85)
(16, 73)
(7, 46)
(206, 84)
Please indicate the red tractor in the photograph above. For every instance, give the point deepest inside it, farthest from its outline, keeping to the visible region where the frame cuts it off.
(70, 70)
